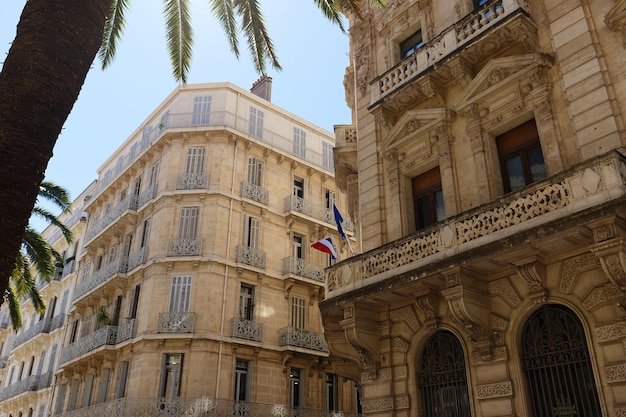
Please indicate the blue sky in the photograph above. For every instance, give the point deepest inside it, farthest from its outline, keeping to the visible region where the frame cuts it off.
(113, 102)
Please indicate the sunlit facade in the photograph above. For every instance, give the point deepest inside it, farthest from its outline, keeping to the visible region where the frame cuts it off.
(485, 164)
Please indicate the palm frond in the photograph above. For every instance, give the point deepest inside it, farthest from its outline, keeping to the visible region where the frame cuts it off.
(179, 35)
(259, 42)
(330, 9)
(14, 307)
(224, 12)
(54, 220)
(39, 253)
(55, 194)
(113, 31)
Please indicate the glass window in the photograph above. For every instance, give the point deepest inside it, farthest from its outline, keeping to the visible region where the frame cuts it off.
(188, 226)
(255, 126)
(298, 187)
(299, 142)
(411, 44)
(171, 375)
(246, 302)
(297, 246)
(194, 163)
(255, 171)
(428, 199)
(243, 380)
(121, 382)
(298, 312)
(252, 232)
(296, 387)
(201, 111)
(331, 392)
(180, 294)
(521, 158)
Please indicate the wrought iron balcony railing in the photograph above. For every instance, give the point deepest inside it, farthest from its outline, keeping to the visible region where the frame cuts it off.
(3, 361)
(307, 339)
(297, 266)
(250, 256)
(136, 259)
(42, 326)
(178, 322)
(129, 203)
(199, 181)
(247, 329)
(302, 206)
(255, 193)
(444, 45)
(197, 406)
(24, 385)
(184, 247)
(104, 336)
(146, 196)
(119, 266)
(125, 331)
(68, 268)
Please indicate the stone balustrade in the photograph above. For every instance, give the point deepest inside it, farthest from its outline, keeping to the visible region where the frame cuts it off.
(307, 339)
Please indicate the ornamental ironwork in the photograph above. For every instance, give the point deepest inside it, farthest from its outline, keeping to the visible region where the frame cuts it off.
(104, 336)
(298, 266)
(184, 247)
(247, 329)
(125, 331)
(193, 181)
(250, 256)
(255, 193)
(23, 385)
(136, 259)
(557, 365)
(307, 208)
(42, 326)
(176, 322)
(101, 276)
(129, 203)
(292, 336)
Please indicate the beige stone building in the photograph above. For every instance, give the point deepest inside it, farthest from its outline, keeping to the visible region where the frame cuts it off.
(485, 163)
(196, 291)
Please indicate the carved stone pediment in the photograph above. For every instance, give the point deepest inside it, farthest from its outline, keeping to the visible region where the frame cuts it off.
(497, 73)
(414, 128)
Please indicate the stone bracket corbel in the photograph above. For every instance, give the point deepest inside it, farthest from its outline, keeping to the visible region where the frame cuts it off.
(533, 273)
(610, 248)
(362, 332)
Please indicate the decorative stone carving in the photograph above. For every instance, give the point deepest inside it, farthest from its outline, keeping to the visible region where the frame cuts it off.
(615, 373)
(377, 405)
(534, 275)
(427, 304)
(497, 354)
(401, 403)
(571, 270)
(615, 19)
(611, 332)
(498, 323)
(601, 294)
(498, 389)
(619, 412)
(362, 332)
(502, 288)
(407, 315)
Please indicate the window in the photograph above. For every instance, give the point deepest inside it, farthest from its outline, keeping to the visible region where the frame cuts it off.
(255, 127)
(478, 3)
(86, 327)
(298, 187)
(180, 294)
(188, 224)
(329, 200)
(71, 406)
(296, 243)
(252, 232)
(243, 380)
(164, 122)
(255, 171)
(145, 136)
(152, 178)
(201, 111)
(145, 233)
(112, 255)
(557, 364)
(104, 385)
(296, 387)
(60, 399)
(428, 199)
(171, 375)
(73, 331)
(134, 302)
(137, 186)
(327, 156)
(331, 392)
(521, 159)
(298, 312)
(88, 389)
(121, 382)
(246, 302)
(411, 44)
(299, 142)
(194, 163)
(53, 355)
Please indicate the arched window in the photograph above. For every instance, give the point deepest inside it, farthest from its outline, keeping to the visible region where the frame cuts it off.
(557, 365)
(443, 377)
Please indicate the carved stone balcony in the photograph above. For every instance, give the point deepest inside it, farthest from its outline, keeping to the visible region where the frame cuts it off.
(184, 247)
(557, 203)
(178, 322)
(301, 338)
(197, 406)
(255, 193)
(250, 256)
(129, 203)
(497, 25)
(119, 266)
(300, 205)
(104, 336)
(300, 267)
(247, 329)
(192, 181)
(24, 385)
(42, 326)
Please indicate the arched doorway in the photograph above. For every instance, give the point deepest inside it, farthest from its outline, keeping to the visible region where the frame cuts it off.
(557, 365)
(443, 377)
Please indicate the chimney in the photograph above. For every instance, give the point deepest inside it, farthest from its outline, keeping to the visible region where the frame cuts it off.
(263, 87)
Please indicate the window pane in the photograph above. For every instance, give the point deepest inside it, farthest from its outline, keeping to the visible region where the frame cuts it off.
(515, 173)
(440, 213)
(537, 166)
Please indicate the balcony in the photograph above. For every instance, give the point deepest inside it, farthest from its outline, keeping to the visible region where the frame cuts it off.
(300, 267)
(184, 247)
(24, 385)
(255, 193)
(136, 259)
(68, 268)
(250, 256)
(129, 203)
(42, 326)
(119, 266)
(293, 337)
(192, 181)
(178, 322)
(145, 196)
(3, 361)
(104, 336)
(247, 329)
(197, 406)
(473, 29)
(554, 204)
(300, 205)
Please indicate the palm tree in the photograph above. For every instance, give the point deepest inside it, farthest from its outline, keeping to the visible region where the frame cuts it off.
(56, 43)
(37, 255)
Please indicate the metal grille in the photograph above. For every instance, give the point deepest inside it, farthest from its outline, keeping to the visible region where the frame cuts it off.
(557, 365)
(444, 382)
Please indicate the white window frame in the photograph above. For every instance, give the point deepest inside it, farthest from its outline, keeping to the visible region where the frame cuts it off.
(327, 156)
(299, 142)
(194, 160)
(188, 222)
(252, 232)
(180, 294)
(298, 312)
(201, 111)
(255, 125)
(255, 171)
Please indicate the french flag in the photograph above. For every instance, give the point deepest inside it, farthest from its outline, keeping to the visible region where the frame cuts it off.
(326, 246)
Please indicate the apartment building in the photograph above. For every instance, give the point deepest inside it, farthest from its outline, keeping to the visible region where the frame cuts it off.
(196, 290)
(486, 166)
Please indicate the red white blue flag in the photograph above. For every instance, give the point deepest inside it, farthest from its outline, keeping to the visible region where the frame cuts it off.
(326, 246)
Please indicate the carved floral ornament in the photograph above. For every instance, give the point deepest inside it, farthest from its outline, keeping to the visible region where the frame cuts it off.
(615, 19)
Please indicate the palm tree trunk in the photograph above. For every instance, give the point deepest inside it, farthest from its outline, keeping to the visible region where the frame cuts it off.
(56, 43)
